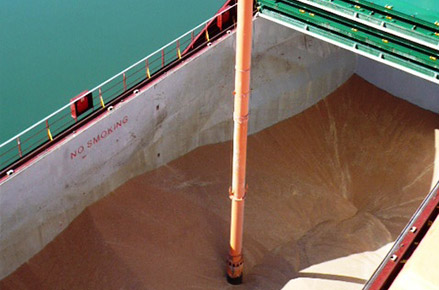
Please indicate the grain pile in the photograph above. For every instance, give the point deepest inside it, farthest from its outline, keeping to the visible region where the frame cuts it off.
(329, 190)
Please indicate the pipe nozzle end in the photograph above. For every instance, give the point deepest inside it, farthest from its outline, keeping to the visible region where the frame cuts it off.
(234, 281)
(235, 266)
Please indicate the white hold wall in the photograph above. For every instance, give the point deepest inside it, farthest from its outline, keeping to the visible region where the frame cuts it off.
(415, 90)
(190, 107)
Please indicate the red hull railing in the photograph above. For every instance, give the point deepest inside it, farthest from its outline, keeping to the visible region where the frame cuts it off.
(39, 137)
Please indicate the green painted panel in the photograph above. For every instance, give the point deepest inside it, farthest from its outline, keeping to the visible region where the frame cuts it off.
(427, 10)
(381, 17)
(362, 37)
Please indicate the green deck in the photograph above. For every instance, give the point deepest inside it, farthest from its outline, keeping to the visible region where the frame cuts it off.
(426, 10)
(382, 17)
(378, 31)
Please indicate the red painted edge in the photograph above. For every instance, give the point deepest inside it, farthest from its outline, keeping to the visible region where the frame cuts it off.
(406, 247)
(208, 25)
(148, 83)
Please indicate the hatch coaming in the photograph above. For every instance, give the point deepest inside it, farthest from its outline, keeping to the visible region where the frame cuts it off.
(348, 27)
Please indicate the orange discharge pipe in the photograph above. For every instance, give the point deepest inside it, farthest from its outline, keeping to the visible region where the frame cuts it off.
(235, 261)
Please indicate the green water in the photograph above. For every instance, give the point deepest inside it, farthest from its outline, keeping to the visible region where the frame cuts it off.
(51, 50)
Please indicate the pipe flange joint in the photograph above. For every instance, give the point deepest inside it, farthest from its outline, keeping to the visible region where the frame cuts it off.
(233, 197)
(240, 119)
(242, 70)
(243, 95)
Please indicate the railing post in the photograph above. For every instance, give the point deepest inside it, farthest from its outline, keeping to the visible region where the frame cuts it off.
(101, 99)
(178, 49)
(207, 34)
(192, 36)
(163, 57)
(124, 82)
(148, 74)
(49, 134)
(19, 147)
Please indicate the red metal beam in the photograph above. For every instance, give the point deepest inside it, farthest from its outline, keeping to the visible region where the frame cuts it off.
(406, 243)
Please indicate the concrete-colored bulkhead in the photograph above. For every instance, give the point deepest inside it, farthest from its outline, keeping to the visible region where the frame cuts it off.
(191, 106)
(413, 89)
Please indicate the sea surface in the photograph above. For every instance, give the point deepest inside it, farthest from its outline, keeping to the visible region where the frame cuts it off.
(51, 50)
